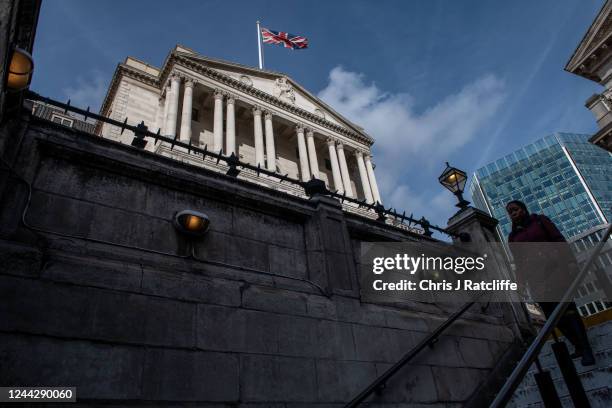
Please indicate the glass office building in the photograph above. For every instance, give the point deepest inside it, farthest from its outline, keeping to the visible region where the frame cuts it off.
(569, 180)
(561, 175)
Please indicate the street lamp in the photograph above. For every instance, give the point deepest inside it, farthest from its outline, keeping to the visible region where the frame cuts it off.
(454, 180)
(20, 70)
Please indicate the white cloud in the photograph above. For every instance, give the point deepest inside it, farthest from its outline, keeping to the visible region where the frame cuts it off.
(88, 91)
(410, 144)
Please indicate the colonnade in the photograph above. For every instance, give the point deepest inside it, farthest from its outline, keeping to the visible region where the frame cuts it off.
(263, 133)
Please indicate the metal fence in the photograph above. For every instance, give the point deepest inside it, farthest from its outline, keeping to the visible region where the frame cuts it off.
(235, 166)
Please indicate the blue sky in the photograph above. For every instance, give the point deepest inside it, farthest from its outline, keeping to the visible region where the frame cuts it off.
(460, 81)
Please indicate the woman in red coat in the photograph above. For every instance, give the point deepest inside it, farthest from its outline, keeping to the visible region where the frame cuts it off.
(539, 228)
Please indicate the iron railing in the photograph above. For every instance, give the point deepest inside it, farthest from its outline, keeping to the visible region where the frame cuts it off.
(380, 383)
(312, 187)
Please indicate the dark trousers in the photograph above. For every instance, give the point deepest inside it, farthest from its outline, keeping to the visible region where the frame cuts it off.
(571, 324)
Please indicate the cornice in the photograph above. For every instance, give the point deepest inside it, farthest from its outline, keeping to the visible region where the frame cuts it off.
(593, 44)
(186, 62)
(261, 95)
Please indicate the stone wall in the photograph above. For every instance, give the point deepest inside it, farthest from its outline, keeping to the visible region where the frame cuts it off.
(100, 292)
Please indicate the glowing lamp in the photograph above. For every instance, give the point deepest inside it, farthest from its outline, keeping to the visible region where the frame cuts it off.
(20, 70)
(191, 223)
(454, 180)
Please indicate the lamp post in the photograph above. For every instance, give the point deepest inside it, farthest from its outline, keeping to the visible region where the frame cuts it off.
(454, 180)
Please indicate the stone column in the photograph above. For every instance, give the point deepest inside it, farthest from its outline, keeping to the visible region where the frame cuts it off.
(218, 122)
(186, 115)
(164, 121)
(270, 151)
(259, 143)
(304, 169)
(363, 175)
(479, 230)
(230, 132)
(346, 179)
(160, 118)
(175, 83)
(372, 178)
(312, 154)
(333, 158)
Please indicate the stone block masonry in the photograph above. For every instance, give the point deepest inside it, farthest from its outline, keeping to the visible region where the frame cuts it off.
(102, 293)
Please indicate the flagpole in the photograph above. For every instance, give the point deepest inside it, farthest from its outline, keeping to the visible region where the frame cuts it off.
(259, 46)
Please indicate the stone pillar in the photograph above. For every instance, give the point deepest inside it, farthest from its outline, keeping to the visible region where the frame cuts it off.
(218, 122)
(333, 158)
(328, 248)
(160, 118)
(270, 151)
(259, 143)
(346, 179)
(175, 83)
(363, 175)
(164, 121)
(372, 178)
(230, 132)
(479, 230)
(312, 154)
(186, 115)
(304, 169)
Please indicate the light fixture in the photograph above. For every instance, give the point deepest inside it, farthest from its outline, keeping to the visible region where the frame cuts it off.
(191, 222)
(20, 70)
(454, 180)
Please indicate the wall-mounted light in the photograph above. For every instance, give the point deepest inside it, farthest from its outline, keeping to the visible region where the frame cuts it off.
(191, 223)
(20, 70)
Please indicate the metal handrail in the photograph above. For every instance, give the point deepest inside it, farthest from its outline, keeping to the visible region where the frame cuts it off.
(141, 131)
(381, 381)
(506, 392)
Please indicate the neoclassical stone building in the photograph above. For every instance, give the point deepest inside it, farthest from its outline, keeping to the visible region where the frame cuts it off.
(263, 117)
(592, 60)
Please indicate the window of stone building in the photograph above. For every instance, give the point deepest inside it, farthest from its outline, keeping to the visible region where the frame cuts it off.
(62, 120)
(591, 308)
(590, 287)
(328, 164)
(195, 115)
(583, 311)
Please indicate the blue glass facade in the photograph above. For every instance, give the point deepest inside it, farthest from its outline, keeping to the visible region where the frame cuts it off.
(562, 176)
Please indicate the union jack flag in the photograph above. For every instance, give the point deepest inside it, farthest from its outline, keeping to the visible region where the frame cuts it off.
(295, 42)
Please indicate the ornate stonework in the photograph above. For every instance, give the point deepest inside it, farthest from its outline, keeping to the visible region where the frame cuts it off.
(284, 90)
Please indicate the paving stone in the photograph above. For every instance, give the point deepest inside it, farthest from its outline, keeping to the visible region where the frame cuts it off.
(233, 329)
(340, 381)
(457, 384)
(99, 371)
(192, 287)
(412, 383)
(89, 271)
(273, 378)
(177, 375)
(274, 300)
(17, 259)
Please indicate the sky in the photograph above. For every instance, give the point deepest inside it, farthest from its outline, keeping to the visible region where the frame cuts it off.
(465, 81)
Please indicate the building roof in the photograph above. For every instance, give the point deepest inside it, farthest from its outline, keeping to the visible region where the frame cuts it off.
(596, 40)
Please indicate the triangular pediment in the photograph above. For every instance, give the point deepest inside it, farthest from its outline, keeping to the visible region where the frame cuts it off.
(278, 85)
(597, 35)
